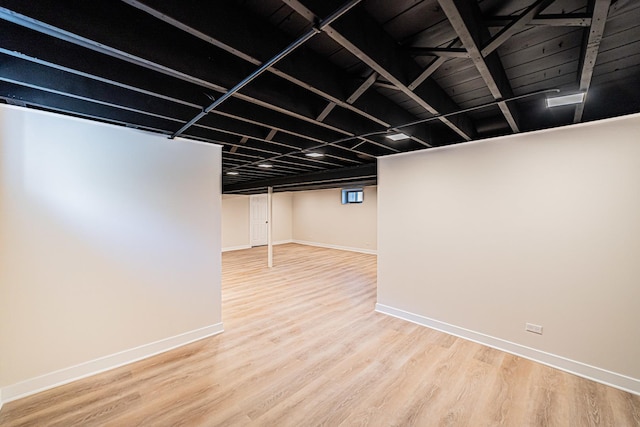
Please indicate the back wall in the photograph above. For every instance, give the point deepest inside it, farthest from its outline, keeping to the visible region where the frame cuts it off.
(320, 218)
(315, 217)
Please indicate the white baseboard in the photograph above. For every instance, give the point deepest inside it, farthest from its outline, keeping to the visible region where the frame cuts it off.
(338, 247)
(236, 248)
(613, 379)
(96, 366)
(243, 247)
(282, 242)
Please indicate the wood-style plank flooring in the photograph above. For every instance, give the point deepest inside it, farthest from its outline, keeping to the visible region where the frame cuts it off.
(303, 346)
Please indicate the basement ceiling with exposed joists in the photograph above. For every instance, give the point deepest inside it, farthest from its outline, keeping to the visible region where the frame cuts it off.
(305, 93)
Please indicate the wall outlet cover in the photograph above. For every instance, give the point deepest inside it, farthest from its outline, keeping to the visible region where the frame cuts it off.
(530, 327)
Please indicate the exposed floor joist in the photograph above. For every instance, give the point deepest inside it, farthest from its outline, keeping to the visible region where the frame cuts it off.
(466, 20)
(16, 71)
(313, 74)
(281, 103)
(349, 33)
(246, 81)
(590, 48)
(515, 26)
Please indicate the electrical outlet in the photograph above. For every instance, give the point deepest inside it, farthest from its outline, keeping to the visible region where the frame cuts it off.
(530, 327)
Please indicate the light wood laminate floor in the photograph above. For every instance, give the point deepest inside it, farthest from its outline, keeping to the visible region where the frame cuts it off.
(303, 346)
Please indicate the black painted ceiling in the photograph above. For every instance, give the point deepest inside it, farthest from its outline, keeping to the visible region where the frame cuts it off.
(365, 69)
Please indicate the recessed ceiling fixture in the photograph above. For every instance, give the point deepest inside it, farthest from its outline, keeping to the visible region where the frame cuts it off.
(265, 165)
(557, 101)
(314, 154)
(232, 173)
(397, 136)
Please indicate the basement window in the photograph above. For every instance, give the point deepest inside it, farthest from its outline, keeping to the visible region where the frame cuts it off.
(352, 195)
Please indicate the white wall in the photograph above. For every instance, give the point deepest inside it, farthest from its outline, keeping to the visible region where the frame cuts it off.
(110, 243)
(314, 217)
(319, 218)
(236, 230)
(282, 211)
(544, 227)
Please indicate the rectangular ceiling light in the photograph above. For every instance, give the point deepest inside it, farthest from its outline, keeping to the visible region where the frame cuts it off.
(314, 154)
(265, 165)
(232, 173)
(557, 101)
(397, 136)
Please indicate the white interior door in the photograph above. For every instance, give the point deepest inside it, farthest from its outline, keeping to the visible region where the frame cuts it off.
(259, 219)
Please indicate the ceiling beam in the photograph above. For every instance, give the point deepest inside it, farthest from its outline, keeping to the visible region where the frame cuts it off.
(466, 19)
(153, 54)
(357, 93)
(431, 68)
(366, 40)
(325, 111)
(364, 173)
(553, 20)
(70, 58)
(54, 81)
(418, 134)
(514, 26)
(590, 47)
(362, 88)
(263, 116)
(270, 63)
(427, 72)
(297, 165)
(271, 134)
(220, 23)
(26, 73)
(243, 140)
(108, 69)
(52, 101)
